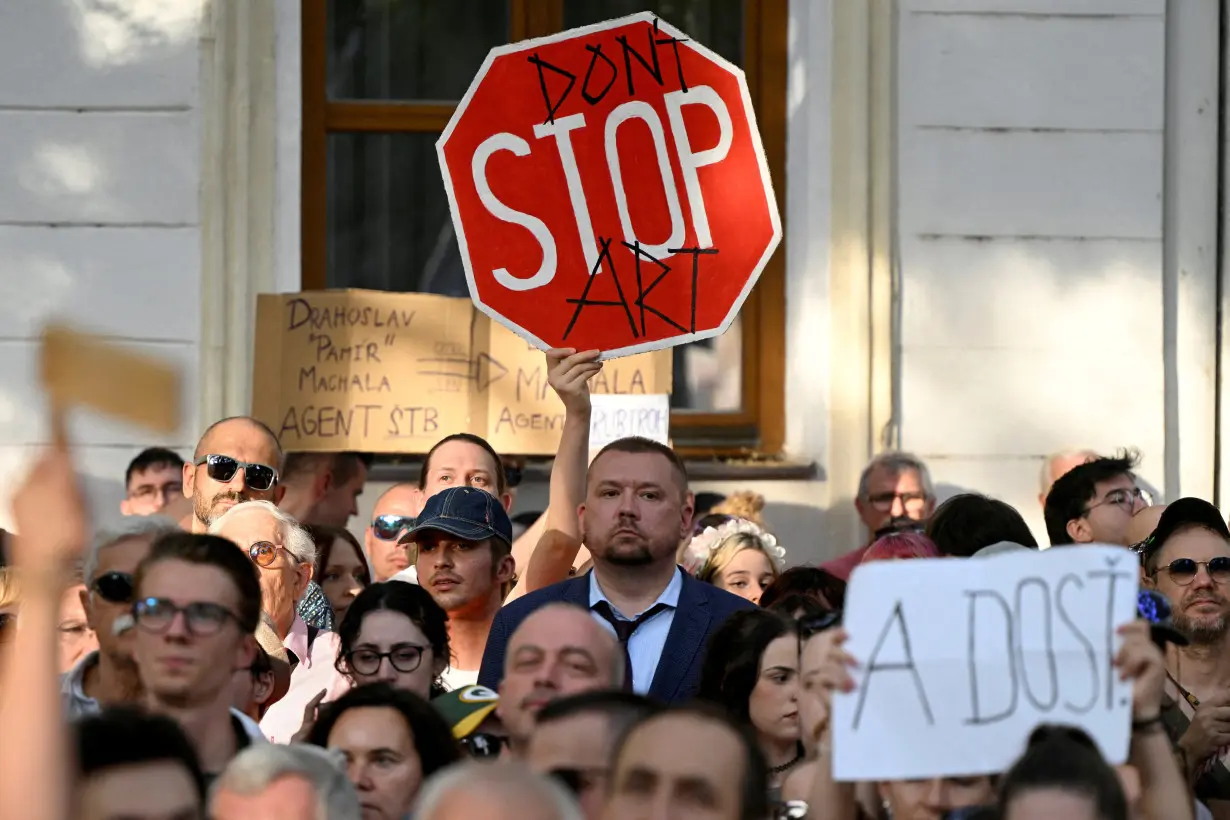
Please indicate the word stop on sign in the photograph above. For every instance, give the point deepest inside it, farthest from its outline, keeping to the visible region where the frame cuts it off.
(609, 188)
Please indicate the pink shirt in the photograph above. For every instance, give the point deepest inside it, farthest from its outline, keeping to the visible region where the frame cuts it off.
(314, 672)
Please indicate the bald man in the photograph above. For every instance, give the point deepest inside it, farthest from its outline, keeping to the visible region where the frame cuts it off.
(392, 516)
(237, 459)
(494, 791)
(558, 650)
(1058, 465)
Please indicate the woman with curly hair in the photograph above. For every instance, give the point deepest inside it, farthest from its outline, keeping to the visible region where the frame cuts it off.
(737, 556)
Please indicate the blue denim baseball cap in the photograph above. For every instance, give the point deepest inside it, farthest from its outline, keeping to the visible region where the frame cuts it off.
(463, 512)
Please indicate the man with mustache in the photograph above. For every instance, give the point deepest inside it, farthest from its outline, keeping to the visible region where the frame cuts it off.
(463, 544)
(1187, 559)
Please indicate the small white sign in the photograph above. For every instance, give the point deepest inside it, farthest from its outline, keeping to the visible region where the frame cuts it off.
(619, 416)
(961, 659)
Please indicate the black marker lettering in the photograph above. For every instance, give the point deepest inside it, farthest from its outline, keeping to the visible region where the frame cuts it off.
(673, 42)
(585, 301)
(597, 52)
(977, 717)
(1018, 644)
(654, 70)
(696, 253)
(873, 666)
(300, 313)
(540, 64)
(1084, 641)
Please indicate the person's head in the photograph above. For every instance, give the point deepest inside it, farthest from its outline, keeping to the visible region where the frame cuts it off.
(575, 736)
(505, 790)
(135, 765)
(751, 670)
(394, 633)
(197, 608)
(237, 459)
(688, 762)
(76, 638)
(276, 782)
(464, 460)
(637, 506)
(153, 479)
(1093, 502)
(109, 574)
(898, 545)
(929, 798)
(392, 741)
(1187, 559)
(341, 569)
(1057, 465)
(737, 556)
(393, 514)
(966, 523)
(1061, 776)
(263, 683)
(894, 485)
(325, 486)
(743, 504)
(813, 582)
(277, 546)
(463, 547)
(558, 650)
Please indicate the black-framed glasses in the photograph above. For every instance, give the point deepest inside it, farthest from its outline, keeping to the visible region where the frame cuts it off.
(404, 657)
(1184, 570)
(910, 502)
(114, 587)
(223, 468)
(483, 744)
(263, 553)
(201, 618)
(388, 527)
(1122, 498)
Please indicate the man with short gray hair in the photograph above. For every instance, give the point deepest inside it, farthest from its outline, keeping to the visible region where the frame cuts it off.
(285, 555)
(493, 791)
(294, 782)
(894, 493)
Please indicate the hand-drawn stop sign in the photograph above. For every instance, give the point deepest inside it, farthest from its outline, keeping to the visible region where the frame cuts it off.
(609, 188)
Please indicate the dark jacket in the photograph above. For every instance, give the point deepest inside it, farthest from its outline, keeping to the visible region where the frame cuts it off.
(702, 609)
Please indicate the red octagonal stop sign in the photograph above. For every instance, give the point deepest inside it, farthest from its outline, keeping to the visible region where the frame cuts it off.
(609, 188)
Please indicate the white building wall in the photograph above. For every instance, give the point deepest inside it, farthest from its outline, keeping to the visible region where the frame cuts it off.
(1030, 228)
(99, 174)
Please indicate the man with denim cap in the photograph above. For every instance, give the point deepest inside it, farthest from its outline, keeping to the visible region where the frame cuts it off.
(463, 555)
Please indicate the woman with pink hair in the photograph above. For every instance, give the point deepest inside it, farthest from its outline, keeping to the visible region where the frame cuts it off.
(899, 545)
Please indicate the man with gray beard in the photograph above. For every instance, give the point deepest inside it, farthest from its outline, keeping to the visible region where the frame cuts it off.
(1187, 559)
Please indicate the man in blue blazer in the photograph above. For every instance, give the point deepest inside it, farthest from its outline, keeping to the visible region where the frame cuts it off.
(636, 512)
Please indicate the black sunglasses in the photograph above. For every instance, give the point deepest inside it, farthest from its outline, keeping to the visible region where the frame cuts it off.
(222, 469)
(114, 587)
(388, 527)
(483, 745)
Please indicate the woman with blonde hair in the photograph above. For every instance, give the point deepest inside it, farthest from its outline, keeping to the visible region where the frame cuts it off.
(737, 556)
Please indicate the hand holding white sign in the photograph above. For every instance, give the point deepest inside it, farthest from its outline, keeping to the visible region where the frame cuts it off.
(959, 660)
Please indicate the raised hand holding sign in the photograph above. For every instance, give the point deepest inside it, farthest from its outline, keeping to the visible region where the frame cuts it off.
(609, 188)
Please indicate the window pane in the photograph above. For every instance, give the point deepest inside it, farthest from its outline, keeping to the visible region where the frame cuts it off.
(410, 49)
(717, 24)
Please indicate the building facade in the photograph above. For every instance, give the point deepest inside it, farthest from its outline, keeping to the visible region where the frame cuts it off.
(1001, 221)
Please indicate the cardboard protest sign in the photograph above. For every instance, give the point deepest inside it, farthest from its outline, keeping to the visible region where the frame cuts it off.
(83, 370)
(395, 372)
(959, 660)
(609, 188)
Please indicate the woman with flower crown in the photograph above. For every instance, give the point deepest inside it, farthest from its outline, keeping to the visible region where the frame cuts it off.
(737, 556)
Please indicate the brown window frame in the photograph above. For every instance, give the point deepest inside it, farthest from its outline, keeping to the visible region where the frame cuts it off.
(756, 429)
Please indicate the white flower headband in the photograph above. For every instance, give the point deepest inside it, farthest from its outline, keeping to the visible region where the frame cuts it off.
(703, 544)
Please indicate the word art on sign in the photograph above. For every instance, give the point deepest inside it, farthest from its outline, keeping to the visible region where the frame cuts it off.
(960, 660)
(609, 188)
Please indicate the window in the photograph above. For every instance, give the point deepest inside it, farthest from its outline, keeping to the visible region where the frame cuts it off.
(380, 81)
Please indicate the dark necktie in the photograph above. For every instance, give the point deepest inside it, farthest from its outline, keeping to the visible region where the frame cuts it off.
(624, 630)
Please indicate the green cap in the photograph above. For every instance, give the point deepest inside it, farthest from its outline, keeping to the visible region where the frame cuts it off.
(465, 708)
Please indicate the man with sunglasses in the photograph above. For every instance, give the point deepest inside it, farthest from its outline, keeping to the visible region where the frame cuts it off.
(1187, 559)
(196, 610)
(1093, 503)
(237, 459)
(393, 514)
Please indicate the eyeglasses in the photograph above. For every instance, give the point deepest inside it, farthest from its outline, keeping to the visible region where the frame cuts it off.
(263, 553)
(405, 657)
(1124, 499)
(388, 527)
(911, 502)
(1184, 570)
(259, 477)
(114, 587)
(201, 618)
(483, 744)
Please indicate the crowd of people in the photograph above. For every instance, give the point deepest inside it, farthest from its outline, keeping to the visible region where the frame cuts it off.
(227, 648)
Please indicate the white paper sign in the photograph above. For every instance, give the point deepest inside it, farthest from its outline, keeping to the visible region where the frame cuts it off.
(961, 659)
(619, 416)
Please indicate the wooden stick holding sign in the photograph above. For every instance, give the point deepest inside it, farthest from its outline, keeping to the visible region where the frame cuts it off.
(959, 660)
